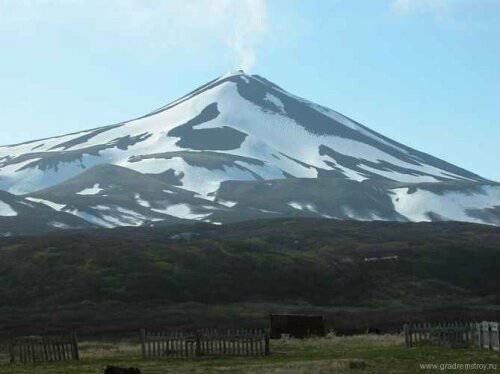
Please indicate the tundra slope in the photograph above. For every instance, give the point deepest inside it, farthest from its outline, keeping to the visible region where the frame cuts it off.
(241, 147)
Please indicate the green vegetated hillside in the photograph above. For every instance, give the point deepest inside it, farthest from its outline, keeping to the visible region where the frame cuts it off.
(204, 274)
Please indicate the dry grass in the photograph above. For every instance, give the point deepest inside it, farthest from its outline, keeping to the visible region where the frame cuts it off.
(361, 353)
(109, 350)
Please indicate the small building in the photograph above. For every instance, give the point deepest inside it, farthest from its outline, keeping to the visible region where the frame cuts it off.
(296, 325)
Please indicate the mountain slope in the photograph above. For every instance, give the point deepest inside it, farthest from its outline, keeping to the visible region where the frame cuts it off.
(242, 128)
(23, 216)
(110, 196)
(123, 276)
(256, 129)
(339, 198)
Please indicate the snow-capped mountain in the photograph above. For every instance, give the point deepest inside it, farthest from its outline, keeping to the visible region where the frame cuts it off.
(241, 133)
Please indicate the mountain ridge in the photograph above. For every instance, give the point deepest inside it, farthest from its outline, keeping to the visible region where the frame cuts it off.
(244, 128)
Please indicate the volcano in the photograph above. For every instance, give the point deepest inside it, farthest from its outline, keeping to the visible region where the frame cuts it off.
(240, 147)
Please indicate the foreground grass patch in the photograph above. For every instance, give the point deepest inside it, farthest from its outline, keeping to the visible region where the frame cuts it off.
(361, 353)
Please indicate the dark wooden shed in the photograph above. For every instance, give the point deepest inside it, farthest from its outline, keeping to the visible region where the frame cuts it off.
(296, 325)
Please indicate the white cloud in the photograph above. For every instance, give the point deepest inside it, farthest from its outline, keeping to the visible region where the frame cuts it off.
(241, 25)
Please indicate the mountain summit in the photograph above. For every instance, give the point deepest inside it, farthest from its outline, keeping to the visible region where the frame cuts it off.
(234, 143)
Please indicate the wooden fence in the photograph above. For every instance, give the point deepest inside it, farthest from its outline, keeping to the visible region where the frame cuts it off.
(43, 348)
(488, 337)
(204, 342)
(454, 334)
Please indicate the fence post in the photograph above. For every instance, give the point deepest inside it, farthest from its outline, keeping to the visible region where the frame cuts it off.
(197, 342)
(74, 344)
(267, 345)
(466, 335)
(480, 334)
(12, 351)
(186, 348)
(485, 328)
(224, 339)
(143, 342)
(410, 334)
(495, 336)
(407, 340)
(45, 351)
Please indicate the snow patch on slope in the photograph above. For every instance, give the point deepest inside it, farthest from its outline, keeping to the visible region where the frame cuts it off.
(227, 203)
(50, 204)
(91, 190)
(275, 101)
(126, 217)
(60, 225)
(6, 210)
(181, 211)
(91, 218)
(309, 207)
(141, 201)
(197, 179)
(401, 177)
(303, 206)
(20, 181)
(452, 205)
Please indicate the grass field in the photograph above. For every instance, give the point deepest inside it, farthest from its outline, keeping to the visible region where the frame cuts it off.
(361, 353)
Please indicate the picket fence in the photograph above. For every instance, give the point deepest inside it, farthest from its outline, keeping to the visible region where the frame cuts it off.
(32, 349)
(484, 335)
(204, 343)
(487, 335)
(454, 334)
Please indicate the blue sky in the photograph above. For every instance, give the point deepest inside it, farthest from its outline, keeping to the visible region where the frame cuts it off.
(422, 72)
